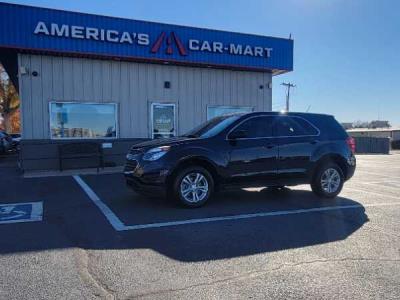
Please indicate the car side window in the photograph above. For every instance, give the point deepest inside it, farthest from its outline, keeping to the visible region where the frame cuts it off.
(292, 126)
(257, 127)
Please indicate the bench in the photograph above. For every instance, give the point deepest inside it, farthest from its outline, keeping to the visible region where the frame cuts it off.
(82, 150)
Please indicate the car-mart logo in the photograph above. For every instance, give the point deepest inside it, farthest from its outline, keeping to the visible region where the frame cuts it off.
(172, 38)
(163, 41)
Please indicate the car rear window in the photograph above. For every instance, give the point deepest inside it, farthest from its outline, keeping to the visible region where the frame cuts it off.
(295, 126)
(329, 127)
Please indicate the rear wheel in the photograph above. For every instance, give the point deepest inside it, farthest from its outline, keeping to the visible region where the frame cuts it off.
(193, 186)
(328, 181)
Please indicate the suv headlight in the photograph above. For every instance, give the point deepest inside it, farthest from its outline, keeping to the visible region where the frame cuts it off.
(156, 153)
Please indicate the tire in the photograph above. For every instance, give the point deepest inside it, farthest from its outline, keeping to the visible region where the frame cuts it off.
(328, 180)
(198, 184)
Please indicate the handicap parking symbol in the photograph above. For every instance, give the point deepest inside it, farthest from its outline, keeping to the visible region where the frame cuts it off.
(21, 212)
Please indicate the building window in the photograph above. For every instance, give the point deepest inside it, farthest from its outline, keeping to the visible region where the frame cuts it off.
(163, 123)
(83, 120)
(215, 111)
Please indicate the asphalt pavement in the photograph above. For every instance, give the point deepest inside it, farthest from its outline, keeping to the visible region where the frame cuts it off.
(90, 237)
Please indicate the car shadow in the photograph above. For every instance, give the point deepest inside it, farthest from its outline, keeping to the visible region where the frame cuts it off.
(222, 240)
(72, 220)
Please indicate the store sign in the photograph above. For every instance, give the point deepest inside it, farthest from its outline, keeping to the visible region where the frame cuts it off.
(90, 33)
(163, 116)
(63, 32)
(140, 38)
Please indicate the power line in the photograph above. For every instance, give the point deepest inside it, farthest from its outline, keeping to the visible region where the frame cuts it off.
(288, 85)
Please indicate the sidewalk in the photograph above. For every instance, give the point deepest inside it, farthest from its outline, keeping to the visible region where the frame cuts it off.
(88, 171)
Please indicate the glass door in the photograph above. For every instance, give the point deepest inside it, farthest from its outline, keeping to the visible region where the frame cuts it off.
(163, 122)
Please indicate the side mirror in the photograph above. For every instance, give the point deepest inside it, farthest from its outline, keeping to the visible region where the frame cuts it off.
(238, 134)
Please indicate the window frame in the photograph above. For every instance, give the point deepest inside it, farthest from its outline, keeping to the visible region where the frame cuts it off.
(89, 103)
(226, 106)
(273, 131)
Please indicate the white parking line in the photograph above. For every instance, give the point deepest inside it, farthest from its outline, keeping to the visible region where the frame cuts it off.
(393, 185)
(107, 212)
(256, 215)
(373, 193)
(377, 174)
(118, 225)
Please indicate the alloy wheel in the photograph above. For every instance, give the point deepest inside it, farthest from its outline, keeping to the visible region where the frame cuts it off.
(194, 187)
(330, 180)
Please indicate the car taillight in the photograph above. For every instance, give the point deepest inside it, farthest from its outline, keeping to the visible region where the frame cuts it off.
(351, 142)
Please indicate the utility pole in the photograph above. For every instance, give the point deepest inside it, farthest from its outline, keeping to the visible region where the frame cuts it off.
(288, 85)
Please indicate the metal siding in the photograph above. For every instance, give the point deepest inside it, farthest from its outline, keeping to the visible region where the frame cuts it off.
(106, 81)
(26, 98)
(124, 114)
(77, 74)
(57, 78)
(68, 80)
(140, 116)
(133, 86)
(37, 100)
(88, 91)
(21, 35)
(97, 81)
(47, 88)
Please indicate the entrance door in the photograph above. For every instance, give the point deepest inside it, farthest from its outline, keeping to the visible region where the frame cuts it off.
(163, 120)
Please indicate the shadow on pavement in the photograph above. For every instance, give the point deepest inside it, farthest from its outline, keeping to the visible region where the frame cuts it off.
(72, 220)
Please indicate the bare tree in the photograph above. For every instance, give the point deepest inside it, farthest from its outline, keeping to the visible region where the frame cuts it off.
(9, 101)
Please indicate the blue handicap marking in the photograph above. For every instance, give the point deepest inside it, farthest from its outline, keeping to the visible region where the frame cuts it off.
(21, 212)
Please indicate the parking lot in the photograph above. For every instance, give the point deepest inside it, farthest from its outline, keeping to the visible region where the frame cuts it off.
(91, 237)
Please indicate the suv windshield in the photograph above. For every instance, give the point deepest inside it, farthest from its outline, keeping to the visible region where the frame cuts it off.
(212, 127)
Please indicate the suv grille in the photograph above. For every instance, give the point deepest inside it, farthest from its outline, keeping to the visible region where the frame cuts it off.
(131, 166)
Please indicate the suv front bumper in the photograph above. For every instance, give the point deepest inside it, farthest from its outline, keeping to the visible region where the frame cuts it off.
(148, 178)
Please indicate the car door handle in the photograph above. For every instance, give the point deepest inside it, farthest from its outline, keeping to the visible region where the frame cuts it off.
(269, 146)
(313, 142)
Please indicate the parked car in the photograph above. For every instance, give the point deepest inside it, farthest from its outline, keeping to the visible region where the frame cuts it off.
(6, 142)
(242, 150)
(16, 139)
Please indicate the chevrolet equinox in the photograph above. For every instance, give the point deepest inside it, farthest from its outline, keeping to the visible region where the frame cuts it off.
(243, 150)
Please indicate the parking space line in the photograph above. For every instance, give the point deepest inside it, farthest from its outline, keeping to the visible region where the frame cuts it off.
(107, 212)
(377, 174)
(255, 215)
(373, 193)
(383, 184)
(118, 225)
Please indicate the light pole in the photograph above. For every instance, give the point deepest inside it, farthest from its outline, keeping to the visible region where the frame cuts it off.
(288, 85)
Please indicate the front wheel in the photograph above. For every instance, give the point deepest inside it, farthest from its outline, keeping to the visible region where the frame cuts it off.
(328, 181)
(193, 186)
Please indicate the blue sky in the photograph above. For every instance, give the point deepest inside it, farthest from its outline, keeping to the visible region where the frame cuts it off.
(346, 57)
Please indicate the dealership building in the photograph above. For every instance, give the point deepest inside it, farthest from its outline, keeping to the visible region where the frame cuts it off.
(116, 81)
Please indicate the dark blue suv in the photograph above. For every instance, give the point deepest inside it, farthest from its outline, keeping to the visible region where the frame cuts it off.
(242, 150)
